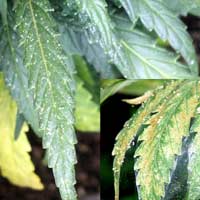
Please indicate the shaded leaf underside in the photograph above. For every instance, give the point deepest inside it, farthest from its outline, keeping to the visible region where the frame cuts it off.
(76, 43)
(155, 15)
(146, 58)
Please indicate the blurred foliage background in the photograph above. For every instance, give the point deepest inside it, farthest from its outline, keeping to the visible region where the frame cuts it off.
(114, 113)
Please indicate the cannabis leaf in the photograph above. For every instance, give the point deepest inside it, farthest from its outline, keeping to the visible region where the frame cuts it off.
(15, 162)
(99, 30)
(131, 129)
(90, 30)
(75, 42)
(156, 155)
(159, 129)
(11, 64)
(110, 87)
(155, 15)
(183, 7)
(194, 161)
(51, 86)
(146, 58)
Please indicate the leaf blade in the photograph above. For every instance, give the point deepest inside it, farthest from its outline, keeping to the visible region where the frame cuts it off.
(99, 30)
(147, 59)
(155, 15)
(51, 85)
(131, 128)
(164, 128)
(194, 161)
(15, 162)
(183, 7)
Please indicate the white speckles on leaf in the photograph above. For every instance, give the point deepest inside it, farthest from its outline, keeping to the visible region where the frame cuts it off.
(166, 123)
(51, 85)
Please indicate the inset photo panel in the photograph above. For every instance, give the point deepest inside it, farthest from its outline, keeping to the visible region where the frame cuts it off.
(150, 139)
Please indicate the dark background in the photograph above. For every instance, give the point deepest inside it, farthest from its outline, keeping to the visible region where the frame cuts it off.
(114, 113)
(193, 24)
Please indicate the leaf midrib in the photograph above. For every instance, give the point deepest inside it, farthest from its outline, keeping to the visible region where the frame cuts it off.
(156, 149)
(41, 50)
(140, 57)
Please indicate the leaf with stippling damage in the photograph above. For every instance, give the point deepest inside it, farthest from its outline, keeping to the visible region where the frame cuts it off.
(11, 63)
(132, 128)
(156, 154)
(155, 15)
(51, 85)
(194, 160)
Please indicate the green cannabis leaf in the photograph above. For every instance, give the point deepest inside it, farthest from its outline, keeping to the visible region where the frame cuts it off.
(51, 85)
(98, 31)
(40, 76)
(155, 15)
(160, 125)
(110, 87)
(147, 58)
(183, 7)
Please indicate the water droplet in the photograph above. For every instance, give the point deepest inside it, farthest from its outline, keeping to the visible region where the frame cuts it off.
(192, 62)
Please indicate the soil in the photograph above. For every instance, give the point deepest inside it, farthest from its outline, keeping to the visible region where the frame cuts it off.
(87, 171)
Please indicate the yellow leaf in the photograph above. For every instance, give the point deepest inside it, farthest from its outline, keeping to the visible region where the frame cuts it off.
(15, 161)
